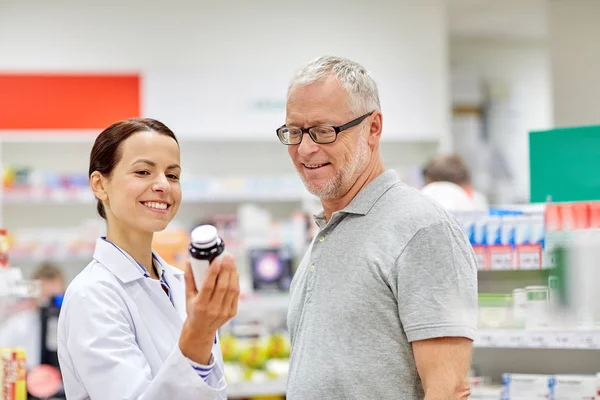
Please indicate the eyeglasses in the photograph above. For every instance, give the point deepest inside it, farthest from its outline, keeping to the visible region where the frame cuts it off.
(320, 134)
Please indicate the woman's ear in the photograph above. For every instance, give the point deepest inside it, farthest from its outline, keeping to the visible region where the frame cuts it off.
(98, 185)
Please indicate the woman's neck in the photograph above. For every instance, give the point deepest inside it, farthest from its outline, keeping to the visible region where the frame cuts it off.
(137, 245)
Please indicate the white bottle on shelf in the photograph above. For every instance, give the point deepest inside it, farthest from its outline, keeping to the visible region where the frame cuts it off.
(537, 307)
(519, 308)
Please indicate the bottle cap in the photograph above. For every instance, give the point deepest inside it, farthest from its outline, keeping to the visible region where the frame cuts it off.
(204, 236)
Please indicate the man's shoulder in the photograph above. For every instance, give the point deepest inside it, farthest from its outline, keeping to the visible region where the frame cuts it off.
(406, 207)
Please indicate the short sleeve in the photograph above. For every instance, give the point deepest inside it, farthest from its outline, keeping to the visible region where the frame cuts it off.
(437, 284)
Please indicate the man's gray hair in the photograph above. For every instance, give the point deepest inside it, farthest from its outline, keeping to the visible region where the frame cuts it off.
(363, 96)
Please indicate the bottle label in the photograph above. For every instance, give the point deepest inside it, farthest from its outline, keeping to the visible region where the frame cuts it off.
(199, 268)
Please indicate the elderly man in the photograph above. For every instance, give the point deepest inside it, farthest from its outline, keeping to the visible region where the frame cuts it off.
(384, 303)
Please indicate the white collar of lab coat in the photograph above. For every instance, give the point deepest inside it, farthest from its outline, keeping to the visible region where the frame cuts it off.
(162, 265)
(122, 266)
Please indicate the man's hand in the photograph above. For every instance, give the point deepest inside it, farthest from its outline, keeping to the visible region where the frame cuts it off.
(443, 364)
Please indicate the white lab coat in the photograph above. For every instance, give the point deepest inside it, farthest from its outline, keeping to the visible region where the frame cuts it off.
(118, 335)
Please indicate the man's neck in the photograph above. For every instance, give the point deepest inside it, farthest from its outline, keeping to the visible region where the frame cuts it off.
(332, 205)
(137, 245)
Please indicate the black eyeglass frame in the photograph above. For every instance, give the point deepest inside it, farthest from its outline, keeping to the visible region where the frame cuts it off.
(336, 129)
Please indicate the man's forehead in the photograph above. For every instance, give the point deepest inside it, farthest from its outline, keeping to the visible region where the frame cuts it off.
(319, 117)
(324, 107)
(322, 88)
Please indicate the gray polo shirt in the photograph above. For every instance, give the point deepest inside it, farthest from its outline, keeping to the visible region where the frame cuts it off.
(391, 268)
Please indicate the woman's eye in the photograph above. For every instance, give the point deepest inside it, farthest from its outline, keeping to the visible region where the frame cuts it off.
(173, 177)
(142, 173)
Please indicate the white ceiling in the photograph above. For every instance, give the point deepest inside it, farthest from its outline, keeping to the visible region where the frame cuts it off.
(498, 18)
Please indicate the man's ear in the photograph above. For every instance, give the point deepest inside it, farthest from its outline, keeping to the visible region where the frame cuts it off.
(98, 185)
(375, 127)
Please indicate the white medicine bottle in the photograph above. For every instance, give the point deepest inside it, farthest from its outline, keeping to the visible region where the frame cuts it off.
(205, 246)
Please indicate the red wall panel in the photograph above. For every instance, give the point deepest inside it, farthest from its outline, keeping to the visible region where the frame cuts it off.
(67, 101)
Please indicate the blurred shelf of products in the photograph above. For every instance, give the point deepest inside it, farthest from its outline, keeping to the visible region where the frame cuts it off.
(533, 387)
(538, 339)
(564, 244)
(26, 185)
(255, 344)
(551, 307)
(28, 369)
(535, 261)
(267, 249)
(256, 355)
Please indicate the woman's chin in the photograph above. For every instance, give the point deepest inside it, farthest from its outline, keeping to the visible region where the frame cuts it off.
(154, 226)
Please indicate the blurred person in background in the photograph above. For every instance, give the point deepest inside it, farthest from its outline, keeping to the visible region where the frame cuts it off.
(52, 279)
(131, 326)
(448, 181)
(23, 329)
(384, 303)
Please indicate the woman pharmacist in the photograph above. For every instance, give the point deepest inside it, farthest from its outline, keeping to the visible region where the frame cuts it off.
(131, 326)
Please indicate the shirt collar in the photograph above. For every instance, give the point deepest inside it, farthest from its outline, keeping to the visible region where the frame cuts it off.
(364, 200)
(163, 268)
(123, 266)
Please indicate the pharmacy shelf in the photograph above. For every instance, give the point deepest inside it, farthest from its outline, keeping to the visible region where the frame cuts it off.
(525, 268)
(242, 197)
(486, 393)
(81, 197)
(253, 389)
(21, 259)
(67, 197)
(542, 339)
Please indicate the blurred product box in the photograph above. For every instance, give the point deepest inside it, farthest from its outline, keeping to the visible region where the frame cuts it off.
(485, 393)
(505, 239)
(572, 216)
(479, 381)
(13, 371)
(495, 311)
(527, 307)
(527, 387)
(552, 387)
(575, 387)
(271, 269)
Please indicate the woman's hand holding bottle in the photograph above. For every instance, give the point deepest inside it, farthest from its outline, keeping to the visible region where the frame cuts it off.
(210, 308)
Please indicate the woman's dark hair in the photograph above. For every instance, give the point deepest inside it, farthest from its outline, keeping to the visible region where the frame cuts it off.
(106, 150)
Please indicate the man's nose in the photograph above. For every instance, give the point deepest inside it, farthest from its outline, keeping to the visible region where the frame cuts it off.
(307, 145)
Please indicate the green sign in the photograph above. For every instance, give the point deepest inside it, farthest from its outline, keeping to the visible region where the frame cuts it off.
(565, 164)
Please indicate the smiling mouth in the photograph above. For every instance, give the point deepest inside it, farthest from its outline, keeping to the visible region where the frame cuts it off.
(157, 206)
(315, 166)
